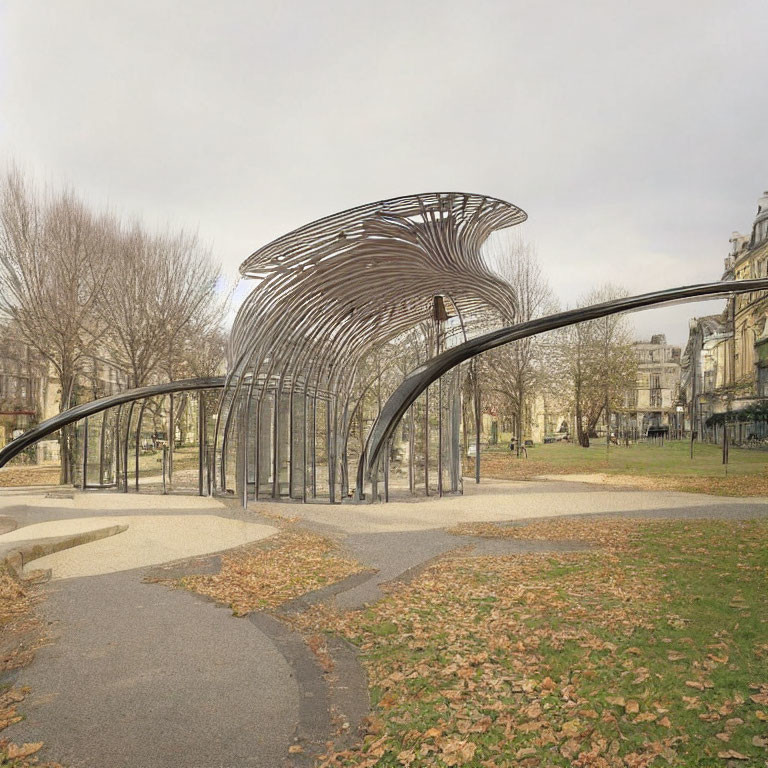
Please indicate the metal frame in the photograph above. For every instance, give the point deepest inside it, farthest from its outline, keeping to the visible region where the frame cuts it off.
(330, 294)
(70, 416)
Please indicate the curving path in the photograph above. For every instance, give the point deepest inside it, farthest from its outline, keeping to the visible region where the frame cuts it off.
(139, 675)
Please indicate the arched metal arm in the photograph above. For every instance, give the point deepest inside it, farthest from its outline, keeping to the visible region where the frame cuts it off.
(45, 428)
(419, 379)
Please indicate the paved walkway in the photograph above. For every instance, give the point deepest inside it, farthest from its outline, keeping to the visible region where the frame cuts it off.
(500, 500)
(141, 676)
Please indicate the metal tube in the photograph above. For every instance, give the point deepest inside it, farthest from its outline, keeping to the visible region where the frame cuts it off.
(426, 441)
(84, 483)
(200, 442)
(290, 443)
(257, 452)
(138, 439)
(127, 438)
(102, 443)
(117, 446)
(171, 438)
(331, 453)
(314, 446)
(440, 436)
(411, 449)
(276, 445)
(478, 426)
(386, 472)
(243, 429)
(304, 452)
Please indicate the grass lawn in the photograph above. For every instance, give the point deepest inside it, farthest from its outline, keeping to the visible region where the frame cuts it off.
(667, 467)
(651, 649)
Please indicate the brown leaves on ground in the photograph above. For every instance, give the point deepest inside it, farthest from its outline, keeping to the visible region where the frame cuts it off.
(20, 631)
(266, 575)
(470, 641)
(20, 634)
(612, 533)
(568, 659)
(22, 755)
(17, 476)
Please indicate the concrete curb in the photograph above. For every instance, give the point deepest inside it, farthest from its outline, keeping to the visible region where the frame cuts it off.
(16, 559)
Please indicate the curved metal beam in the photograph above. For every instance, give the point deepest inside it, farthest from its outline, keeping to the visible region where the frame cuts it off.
(419, 379)
(45, 428)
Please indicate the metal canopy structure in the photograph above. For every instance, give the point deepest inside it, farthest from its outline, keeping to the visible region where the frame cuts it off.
(347, 363)
(330, 295)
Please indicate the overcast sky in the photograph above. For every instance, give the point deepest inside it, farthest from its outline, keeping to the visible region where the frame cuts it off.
(635, 134)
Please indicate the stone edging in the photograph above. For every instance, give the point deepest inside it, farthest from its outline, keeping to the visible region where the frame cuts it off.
(16, 559)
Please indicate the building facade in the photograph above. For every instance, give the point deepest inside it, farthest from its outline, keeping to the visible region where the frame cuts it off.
(653, 401)
(725, 366)
(23, 386)
(30, 391)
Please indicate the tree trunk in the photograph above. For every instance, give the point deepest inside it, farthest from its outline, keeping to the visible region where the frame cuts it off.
(520, 411)
(67, 433)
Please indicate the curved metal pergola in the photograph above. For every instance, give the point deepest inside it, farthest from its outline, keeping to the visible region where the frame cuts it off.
(334, 305)
(329, 294)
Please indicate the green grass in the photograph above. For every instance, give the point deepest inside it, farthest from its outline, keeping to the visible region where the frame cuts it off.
(671, 459)
(655, 654)
(655, 467)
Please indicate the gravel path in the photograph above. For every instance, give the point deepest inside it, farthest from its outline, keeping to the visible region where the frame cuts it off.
(149, 540)
(499, 500)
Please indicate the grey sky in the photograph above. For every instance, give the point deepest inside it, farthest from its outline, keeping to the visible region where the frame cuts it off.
(633, 134)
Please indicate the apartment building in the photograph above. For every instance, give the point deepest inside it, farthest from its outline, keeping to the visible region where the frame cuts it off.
(653, 401)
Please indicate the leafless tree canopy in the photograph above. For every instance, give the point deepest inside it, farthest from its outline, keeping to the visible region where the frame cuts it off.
(75, 285)
(159, 290)
(596, 363)
(517, 371)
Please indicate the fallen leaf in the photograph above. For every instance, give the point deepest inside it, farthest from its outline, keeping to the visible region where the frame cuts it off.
(732, 754)
(16, 752)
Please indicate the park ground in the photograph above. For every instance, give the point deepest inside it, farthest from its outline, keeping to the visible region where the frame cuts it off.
(653, 466)
(648, 465)
(533, 624)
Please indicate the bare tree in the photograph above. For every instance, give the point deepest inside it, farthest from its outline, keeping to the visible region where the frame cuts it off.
(51, 272)
(517, 370)
(597, 364)
(160, 287)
